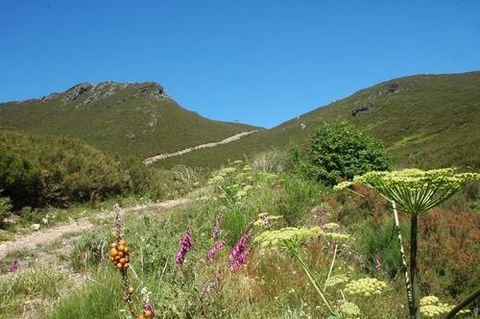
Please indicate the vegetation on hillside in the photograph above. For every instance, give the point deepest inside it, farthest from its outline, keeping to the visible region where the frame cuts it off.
(129, 119)
(420, 119)
(339, 151)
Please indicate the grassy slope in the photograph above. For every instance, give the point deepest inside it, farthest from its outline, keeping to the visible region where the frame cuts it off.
(434, 121)
(119, 123)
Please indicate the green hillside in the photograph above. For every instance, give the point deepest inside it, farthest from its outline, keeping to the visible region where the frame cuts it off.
(133, 119)
(425, 120)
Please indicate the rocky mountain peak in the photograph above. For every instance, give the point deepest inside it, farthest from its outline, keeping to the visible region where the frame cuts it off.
(86, 93)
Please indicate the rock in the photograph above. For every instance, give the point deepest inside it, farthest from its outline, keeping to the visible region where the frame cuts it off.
(79, 89)
(35, 227)
(362, 108)
(391, 88)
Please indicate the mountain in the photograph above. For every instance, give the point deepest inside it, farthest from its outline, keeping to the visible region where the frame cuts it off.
(427, 121)
(125, 119)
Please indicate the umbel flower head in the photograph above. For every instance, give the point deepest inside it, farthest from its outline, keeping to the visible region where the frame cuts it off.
(416, 191)
(294, 236)
(349, 310)
(365, 287)
(430, 307)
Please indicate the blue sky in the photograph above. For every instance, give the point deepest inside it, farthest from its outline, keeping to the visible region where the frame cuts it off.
(258, 62)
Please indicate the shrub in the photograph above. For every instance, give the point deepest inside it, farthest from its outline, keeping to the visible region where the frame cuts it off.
(338, 151)
(38, 170)
(5, 206)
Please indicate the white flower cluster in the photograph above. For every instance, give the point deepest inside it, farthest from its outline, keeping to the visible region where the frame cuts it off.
(365, 287)
(349, 310)
(431, 307)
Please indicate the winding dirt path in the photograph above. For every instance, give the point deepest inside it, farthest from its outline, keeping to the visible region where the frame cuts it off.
(230, 139)
(50, 235)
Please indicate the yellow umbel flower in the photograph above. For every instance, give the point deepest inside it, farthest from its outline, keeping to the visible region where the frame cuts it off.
(365, 287)
(349, 309)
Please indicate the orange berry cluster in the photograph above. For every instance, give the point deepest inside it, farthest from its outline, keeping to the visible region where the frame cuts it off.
(119, 254)
(146, 314)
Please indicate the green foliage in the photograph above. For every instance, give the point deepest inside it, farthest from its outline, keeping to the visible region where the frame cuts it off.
(379, 236)
(41, 283)
(40, 170)
(232, 191)
(337, 151)
(296, 198)
(5, 207)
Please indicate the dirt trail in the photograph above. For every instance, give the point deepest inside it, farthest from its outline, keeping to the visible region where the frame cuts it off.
(230, 139)
(50, 235)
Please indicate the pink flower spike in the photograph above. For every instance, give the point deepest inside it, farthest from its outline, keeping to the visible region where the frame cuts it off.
(13, 266)
(241, 260)
(185, 245)
(240, 245)
(378, 265)
(215, 248)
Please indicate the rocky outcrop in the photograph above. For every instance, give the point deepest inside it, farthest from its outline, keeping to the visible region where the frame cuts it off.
(362, 108)
(390, 88)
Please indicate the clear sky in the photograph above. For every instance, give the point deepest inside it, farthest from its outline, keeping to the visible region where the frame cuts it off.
(259, 62)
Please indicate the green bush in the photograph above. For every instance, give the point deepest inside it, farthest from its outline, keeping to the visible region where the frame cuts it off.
(39, 170)
(5, 206)
(337, 151)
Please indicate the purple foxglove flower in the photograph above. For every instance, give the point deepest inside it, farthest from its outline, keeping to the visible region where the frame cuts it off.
(216, 227)
(215, 248)
(13, 266)
(378, 265)
(185, 245)
(242, 258)
(240, 245)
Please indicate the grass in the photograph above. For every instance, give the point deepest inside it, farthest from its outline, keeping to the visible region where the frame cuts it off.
(271, 284)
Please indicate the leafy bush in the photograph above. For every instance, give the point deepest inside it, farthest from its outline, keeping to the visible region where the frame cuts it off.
(38, 170)
(5, 206)
(338, 151)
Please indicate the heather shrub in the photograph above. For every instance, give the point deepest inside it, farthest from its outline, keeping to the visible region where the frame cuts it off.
(450, 252)
(339, 151)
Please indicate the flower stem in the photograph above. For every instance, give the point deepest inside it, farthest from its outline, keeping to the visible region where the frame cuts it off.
(312, 279)
(474, 295)
(415, 309)
(402, 254)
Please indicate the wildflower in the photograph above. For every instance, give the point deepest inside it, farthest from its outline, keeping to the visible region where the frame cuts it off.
(13, 266)
(185, 245)
(216, 227)
(378, 265)
(240, 245)
(215, 248)
(242, 258)
(365, 286)
(349, 309)
(295, 236)
(336, 280)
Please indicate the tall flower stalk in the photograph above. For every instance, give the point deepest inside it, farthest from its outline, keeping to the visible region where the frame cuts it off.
(185, 244)
(416, 192)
